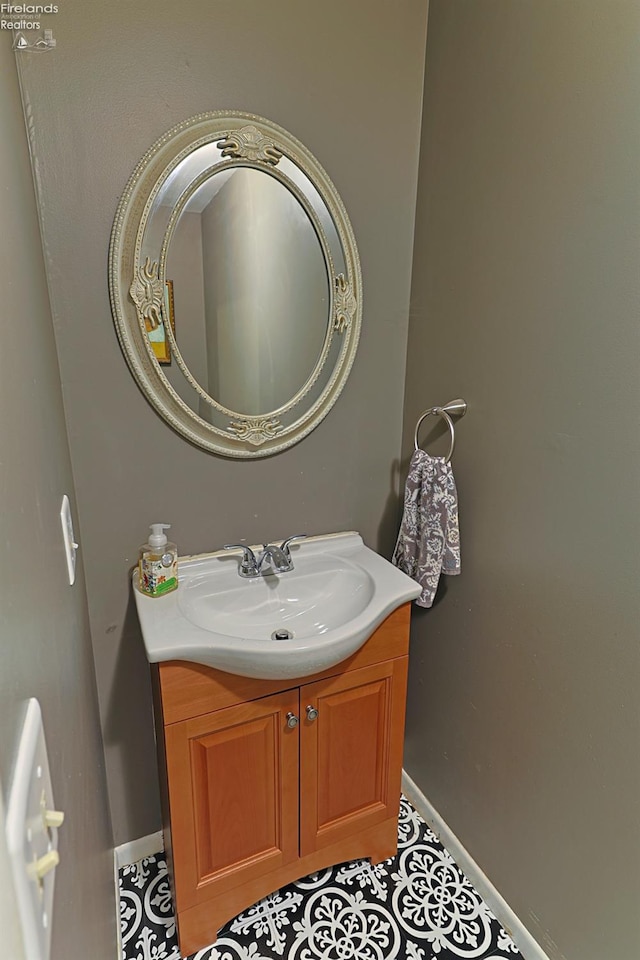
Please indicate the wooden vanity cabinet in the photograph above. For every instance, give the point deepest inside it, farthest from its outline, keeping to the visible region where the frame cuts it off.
(253, 800)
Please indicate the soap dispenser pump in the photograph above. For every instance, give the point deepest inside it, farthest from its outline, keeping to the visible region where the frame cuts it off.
(158, 567)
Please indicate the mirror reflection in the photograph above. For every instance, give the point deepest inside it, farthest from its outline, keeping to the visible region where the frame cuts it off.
(250, 287)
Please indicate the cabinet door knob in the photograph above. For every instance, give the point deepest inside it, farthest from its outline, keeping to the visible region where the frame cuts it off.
(312, 712)
(292, 720)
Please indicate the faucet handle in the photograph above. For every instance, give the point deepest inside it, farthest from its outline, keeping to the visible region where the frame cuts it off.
(285, 543)
(249, 562)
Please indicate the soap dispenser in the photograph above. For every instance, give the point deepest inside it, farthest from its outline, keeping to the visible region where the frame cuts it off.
(158, 563)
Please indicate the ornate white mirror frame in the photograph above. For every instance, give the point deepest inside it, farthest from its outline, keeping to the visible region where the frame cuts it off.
(137, 278)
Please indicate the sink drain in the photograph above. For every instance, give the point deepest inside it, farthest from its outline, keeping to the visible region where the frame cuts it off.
(282, 634)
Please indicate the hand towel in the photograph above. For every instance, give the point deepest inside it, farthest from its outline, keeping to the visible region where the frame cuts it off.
(429, 539)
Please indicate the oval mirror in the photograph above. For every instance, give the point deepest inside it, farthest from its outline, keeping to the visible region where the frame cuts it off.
(235, 284)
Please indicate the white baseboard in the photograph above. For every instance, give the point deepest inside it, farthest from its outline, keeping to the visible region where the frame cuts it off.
(138, 849)
(527, 945)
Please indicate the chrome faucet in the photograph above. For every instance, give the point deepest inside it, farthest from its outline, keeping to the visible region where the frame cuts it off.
(276, 558)
(275, 555)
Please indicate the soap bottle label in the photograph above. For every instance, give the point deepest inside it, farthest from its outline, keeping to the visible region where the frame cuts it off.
(158, 575)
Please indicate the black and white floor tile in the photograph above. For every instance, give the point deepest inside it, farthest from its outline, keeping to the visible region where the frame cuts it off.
(416, 906)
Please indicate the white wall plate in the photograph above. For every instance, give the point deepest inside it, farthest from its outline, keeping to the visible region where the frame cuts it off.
(70, 546)
(32, 835)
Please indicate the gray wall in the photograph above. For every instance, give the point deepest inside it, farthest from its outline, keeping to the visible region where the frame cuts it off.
(523, 718)
(46, 648)
(346, 79)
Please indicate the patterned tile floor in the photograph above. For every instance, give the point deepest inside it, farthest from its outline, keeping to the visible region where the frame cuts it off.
(416, 906)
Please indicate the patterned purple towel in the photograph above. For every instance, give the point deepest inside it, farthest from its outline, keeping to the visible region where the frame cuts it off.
(429, 539)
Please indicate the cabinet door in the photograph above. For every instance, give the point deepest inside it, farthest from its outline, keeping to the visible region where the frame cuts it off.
(233, 796)
(351, 753)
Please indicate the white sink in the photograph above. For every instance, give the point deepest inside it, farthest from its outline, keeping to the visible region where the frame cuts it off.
(338, 593)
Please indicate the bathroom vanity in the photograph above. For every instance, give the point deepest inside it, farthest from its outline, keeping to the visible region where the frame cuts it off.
(280, 680)
(266, 780)
(279, 705)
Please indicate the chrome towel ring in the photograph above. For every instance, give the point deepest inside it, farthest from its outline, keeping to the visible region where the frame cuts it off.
(455, 408)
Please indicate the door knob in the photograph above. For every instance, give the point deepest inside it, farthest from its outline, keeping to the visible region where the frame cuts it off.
(312, 713)
(292, 720)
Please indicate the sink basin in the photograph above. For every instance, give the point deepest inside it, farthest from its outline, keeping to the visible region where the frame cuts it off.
(327, 606)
